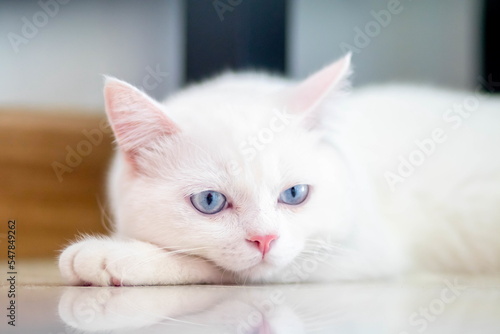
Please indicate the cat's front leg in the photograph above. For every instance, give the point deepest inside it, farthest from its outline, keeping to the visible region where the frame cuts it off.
(104, 261)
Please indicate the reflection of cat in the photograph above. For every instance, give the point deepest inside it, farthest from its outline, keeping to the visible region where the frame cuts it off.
(196, 309)
(251, 178)
(429, 305)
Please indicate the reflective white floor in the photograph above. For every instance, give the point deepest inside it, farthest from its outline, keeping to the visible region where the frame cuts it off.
(445, 305)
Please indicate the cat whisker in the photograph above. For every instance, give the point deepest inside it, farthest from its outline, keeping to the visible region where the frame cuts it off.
(184, 250)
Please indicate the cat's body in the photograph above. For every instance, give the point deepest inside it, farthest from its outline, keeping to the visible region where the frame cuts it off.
(396, 179)
(431, 155)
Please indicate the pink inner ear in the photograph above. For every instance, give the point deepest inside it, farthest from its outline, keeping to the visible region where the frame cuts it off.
(136, 119)
(314, 89)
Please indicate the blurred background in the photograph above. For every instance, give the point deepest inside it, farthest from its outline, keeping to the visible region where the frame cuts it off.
(54, 146)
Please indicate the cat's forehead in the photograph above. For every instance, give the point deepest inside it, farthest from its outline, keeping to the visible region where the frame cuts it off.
(253, 181)
(232, 121)
(227, 101)
(246, 163)
(241, 136)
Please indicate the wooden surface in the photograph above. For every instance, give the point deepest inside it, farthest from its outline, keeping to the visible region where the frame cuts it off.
(49, 209)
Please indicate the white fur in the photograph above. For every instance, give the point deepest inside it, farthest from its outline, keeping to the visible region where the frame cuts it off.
(444, 217)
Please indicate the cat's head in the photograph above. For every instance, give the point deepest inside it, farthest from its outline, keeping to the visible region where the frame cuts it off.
(235, 170)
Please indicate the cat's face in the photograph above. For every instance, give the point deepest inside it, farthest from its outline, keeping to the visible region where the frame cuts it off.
(233, 175)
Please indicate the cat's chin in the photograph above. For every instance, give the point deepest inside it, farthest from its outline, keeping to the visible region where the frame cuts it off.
(260, 272)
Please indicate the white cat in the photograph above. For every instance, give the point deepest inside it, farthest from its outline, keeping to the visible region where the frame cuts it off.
(254, 178)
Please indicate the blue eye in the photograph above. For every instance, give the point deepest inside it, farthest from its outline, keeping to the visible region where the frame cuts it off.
(208, 201)
(294, 195)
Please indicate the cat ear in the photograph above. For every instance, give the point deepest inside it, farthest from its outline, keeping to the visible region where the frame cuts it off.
(136, 119)
(311, 92)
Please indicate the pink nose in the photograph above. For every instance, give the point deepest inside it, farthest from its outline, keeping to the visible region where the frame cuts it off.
(263, 242)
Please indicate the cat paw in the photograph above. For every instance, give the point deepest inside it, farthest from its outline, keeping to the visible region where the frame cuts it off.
(85, 263)
(104, 262)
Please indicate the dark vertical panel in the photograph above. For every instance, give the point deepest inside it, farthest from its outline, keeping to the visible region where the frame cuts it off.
(234, 34)
(491, 46)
